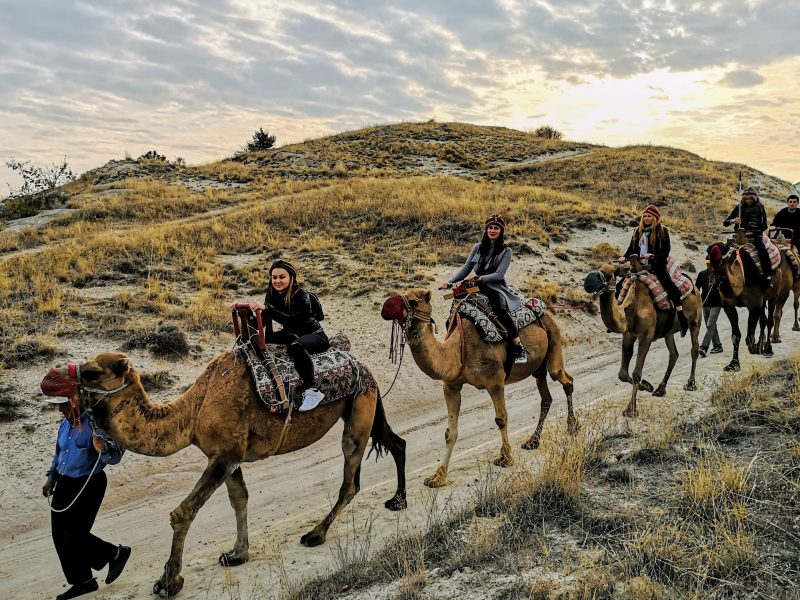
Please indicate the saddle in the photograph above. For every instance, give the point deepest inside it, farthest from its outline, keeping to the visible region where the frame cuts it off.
(773, 251)
(790, 252)
(337, 372)
(657, 291)
(477, 309)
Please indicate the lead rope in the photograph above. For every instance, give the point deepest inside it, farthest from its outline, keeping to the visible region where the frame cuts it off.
(78, 495)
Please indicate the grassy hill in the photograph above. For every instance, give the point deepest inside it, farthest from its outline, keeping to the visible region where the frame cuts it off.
(366, 209)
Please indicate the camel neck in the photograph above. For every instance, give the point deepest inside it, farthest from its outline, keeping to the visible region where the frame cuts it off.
(438, 360)
(612, 314)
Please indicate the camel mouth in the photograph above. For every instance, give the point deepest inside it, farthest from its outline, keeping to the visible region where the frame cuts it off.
(394, 309)
(56, 384)
(594, 282)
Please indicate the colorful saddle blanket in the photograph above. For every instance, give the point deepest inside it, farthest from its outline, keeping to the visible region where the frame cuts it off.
(657, 291)
(773, 251)
(477, 309)
(790, 252)
(336, 371)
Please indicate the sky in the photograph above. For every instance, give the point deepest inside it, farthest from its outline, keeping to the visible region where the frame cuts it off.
(93, 80)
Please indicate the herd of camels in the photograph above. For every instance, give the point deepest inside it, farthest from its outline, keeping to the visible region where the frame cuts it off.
(222, 415)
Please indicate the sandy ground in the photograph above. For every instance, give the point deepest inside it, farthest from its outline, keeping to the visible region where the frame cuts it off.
(290, 494)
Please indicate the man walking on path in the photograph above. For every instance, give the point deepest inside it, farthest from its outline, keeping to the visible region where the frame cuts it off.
(77, 483)
(712, 305)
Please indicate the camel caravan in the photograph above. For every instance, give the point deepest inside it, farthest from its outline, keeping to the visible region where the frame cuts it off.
(281, 390)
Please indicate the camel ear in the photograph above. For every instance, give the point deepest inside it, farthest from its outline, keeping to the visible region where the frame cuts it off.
(428, 296)
(91, 371)
(121, 366)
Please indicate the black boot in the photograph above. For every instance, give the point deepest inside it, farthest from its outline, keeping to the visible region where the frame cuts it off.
(87, 587)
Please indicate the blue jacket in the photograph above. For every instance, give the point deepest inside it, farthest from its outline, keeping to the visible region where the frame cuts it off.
(75, 454)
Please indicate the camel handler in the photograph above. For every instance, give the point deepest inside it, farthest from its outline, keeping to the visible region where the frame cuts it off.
(789, 218)
(751, 216)
(77, 483)
(712, 306)
(650, 242)
(490, 260)
(289, 305)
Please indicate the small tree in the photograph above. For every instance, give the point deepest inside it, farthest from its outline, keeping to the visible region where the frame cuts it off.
(37, 190)
(262, 140)
(548, 133)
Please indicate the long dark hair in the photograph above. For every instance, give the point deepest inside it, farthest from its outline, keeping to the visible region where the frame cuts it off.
(291, 289)
(489, 250)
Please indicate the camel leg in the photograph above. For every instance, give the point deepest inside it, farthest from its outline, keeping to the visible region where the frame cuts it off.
(669, 340)
(501, 419)
(736, 336)
(777, 315)
(772, 308)
(628, 341)
(452, 397)
(753, 317)
(641, 355)
(237, 493)
(691, 385)
(555, 367)
(544, 392)
(181, 518)
(796, 326)
(357, 428)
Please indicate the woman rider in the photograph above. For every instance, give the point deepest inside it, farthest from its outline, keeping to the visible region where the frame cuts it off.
(489, 260)
(289, 305)
(650, 242)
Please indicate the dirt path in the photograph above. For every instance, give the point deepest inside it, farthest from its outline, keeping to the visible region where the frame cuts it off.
(290, 494)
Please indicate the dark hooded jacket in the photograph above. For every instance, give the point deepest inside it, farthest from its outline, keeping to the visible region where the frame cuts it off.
(296, 319)
(754, 217)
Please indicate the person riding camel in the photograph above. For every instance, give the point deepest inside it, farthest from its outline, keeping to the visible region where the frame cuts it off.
(650, 242)
(751, 216)
(789, 218)
(289, 305)
(489, 260)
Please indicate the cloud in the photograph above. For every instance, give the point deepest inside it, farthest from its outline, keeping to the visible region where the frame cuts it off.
(741, 79)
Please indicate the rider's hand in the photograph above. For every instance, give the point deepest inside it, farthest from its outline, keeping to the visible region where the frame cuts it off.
(47, 488)
(445, 286)
(738, 221)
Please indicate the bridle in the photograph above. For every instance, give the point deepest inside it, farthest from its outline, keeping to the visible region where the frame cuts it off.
(94, 395)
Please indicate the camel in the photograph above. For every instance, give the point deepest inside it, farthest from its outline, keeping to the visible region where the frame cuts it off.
(638, 320)
(465, 358)
(222, 415)
(739, 282)
(795, 287)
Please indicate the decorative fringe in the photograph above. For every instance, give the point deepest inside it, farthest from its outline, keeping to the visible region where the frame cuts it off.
(397, 343)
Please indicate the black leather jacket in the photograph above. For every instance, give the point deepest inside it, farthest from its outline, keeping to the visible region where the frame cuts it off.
(754, 217)
(297, 319)
(660, 250)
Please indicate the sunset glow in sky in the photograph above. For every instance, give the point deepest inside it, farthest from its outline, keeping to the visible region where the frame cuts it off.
(92, 80)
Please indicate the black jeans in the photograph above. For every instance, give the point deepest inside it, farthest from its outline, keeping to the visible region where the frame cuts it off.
(78, 549)
(673, 293)
(763, 255)
(500, 308)
(300, 349)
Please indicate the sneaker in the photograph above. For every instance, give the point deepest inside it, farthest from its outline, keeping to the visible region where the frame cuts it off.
(87, 587)
(311, 398)
(117, 564)
(716, 350)
(702, 352)
(520, 356)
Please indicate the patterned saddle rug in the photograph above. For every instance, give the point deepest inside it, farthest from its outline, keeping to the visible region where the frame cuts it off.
(657, 291)
(477, 309)
(773, 251)
(337, 372)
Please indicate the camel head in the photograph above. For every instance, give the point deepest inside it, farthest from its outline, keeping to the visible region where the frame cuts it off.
(601, 279)
(97, 378)
(413, 302)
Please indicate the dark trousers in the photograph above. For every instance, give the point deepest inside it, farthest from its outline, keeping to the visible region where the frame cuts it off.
(78, 549)
(300, 349)
(763, 255)
(500, 308)
(673, 293)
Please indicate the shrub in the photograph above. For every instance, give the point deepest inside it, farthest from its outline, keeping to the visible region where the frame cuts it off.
(547, 132)
(262, 140)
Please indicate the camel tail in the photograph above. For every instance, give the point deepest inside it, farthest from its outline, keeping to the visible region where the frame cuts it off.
(384, 440)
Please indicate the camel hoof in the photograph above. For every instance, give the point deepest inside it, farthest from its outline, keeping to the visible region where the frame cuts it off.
(312, 538)
(531, 444)
(504, 462)
(646, 386)
(690, 386)
(777, 340)
(397, 502)
(660, 391)
(733, 366)
(795, 327)
(435, 481)
(768, 352)
(232, 559)
(166, 590)
(573, 426)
